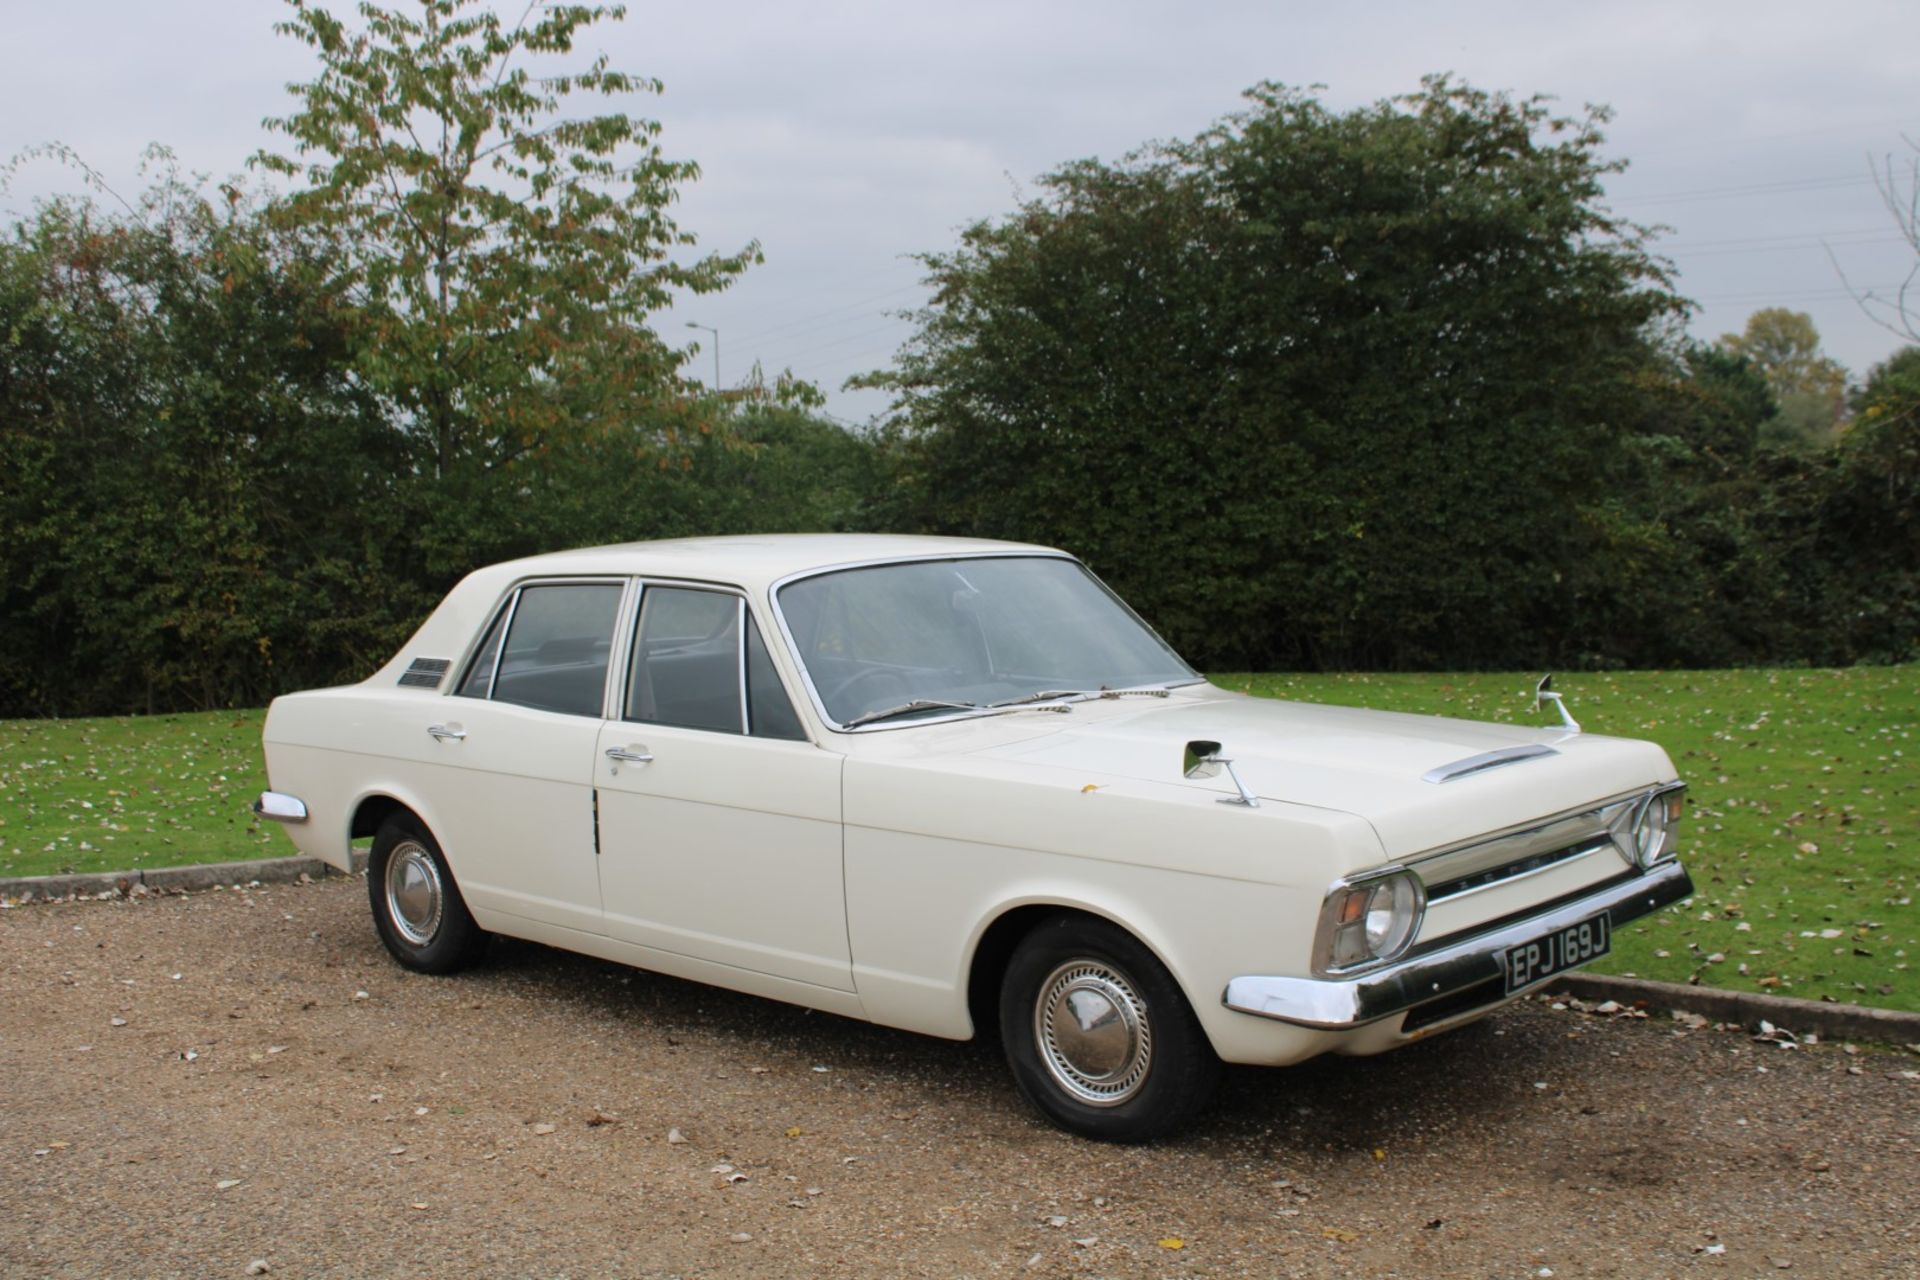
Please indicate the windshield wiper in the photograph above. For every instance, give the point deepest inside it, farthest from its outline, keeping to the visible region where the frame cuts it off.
(1048, 695)
(918, 704)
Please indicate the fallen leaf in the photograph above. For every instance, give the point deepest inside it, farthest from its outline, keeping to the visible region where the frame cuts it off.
(1337, 1233)
(543, 1130)
(226, 1184)
(1172, 1242)
(675, 1138)
(795, 1131)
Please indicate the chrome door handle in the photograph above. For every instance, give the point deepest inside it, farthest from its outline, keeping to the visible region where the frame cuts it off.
(621, 754)
(441, 733)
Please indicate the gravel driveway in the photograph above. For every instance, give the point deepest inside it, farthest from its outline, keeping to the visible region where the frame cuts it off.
(196, 1085)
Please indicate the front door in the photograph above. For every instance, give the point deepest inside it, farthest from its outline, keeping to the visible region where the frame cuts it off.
(719, 821)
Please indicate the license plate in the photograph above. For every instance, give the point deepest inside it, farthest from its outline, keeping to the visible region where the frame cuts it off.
(1563, 949)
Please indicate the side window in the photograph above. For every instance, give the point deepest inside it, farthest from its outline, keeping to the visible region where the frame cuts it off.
(559, 638)
(686, 660)
(769, 713)
(690, 668)
(479, 678)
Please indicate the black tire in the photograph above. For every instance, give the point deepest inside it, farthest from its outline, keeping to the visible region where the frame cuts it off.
(1133, 1064)
(417, 907)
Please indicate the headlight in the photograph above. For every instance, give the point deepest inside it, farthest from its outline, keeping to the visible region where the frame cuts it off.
(1370, 921)
(1656, 829)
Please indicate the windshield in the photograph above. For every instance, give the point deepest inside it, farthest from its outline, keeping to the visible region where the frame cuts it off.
(959, 634)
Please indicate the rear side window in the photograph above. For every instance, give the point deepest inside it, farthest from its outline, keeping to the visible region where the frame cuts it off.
(558, 642)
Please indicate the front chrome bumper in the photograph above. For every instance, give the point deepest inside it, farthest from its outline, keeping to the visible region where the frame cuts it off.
(1449, 969)
(280, 807)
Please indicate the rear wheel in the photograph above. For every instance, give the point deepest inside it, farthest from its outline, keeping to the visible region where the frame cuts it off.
(1098, 1034)
(417, 908)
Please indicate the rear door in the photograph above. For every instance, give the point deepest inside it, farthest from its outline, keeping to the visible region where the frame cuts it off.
(512, 754)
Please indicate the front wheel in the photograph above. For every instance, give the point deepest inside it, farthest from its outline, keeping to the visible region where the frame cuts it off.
(1098, 1034)
(417, 908)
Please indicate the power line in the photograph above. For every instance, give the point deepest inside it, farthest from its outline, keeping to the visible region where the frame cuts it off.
(852, 337)
(1806, 295)
(1790, 245)
(821, 315)
(1789, 187)
(1715, 244)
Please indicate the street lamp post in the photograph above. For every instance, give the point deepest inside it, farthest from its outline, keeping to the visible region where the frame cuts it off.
(716, 351)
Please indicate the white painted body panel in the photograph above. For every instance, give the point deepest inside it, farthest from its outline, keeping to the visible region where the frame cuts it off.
(725, 849)
(858, 872)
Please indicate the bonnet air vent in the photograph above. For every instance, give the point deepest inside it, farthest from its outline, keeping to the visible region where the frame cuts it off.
(425, 673)
(1481, 763)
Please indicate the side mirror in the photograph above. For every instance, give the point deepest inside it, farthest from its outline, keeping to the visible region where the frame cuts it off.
(1202, 760)
(1543, 694)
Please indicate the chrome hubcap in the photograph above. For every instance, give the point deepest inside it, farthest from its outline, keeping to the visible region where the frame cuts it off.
(414, 896)
(1093, 1033)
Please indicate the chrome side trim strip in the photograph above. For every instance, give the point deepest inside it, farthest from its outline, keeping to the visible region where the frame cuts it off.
(1486, 760)
(1335, 1004)
(280, 807)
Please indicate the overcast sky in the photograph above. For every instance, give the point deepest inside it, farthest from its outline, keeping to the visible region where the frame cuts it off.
(847, 136)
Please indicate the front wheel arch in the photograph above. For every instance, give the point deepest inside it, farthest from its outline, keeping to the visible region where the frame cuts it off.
(1098, 1032)
(996, 944)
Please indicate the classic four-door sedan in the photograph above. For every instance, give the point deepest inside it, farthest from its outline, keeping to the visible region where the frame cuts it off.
(951, 785)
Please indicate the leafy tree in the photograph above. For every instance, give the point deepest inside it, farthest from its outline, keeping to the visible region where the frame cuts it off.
(197, 496)
(1314, 388)
(1810, 388)
(503, 256)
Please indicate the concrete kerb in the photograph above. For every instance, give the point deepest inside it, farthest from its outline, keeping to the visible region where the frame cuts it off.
(25, 889)
(1829, 1021)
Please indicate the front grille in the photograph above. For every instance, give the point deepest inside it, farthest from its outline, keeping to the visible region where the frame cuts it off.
(1482, 878)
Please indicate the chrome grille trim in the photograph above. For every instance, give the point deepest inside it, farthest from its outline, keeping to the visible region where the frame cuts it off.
(1518, 870)
(1551, 843)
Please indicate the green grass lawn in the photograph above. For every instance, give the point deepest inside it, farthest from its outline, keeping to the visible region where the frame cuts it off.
(1803, 828)
(1803, 834)
(132, 792)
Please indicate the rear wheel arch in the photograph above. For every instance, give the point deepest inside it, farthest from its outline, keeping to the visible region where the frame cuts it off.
(372, 813)
(418, 909)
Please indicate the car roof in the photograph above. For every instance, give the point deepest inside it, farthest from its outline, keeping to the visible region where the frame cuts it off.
(751, 561)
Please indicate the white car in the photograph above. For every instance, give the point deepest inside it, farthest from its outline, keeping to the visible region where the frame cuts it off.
(952, 785)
